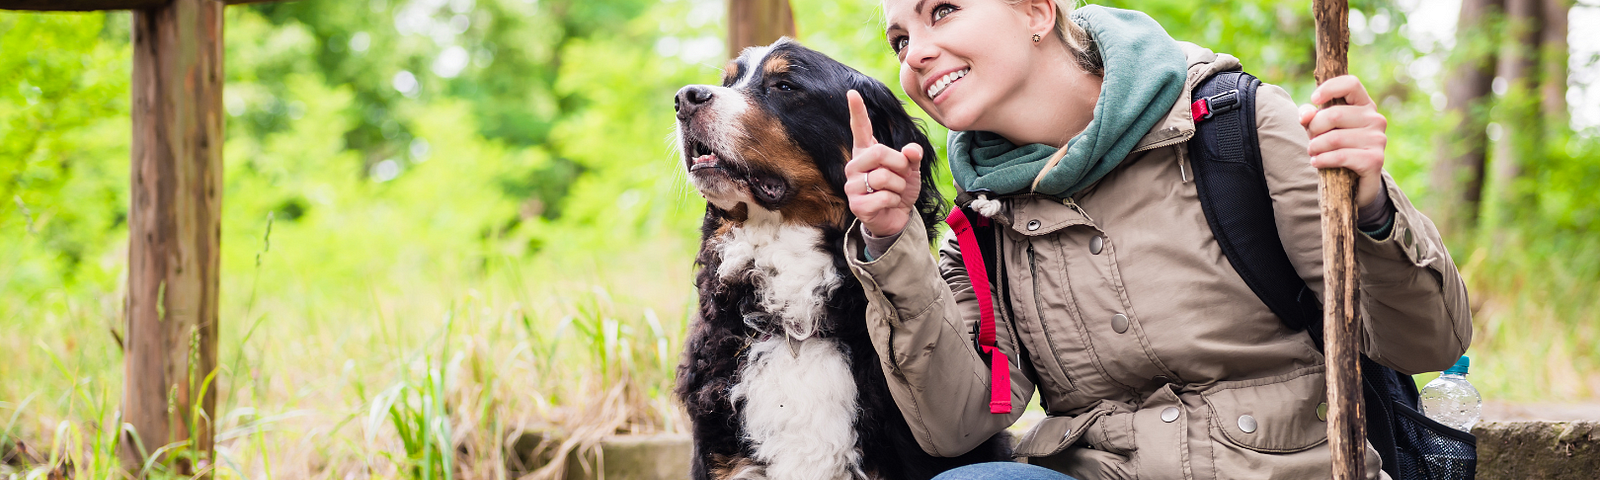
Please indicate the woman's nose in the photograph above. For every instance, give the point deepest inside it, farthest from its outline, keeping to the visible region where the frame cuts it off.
(919, 54)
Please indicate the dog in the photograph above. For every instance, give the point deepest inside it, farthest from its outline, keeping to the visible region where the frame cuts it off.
(778, 375)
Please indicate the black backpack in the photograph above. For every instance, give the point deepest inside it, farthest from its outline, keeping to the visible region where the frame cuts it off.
(1226, 158)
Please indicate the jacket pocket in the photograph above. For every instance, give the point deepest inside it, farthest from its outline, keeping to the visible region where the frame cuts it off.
(1271, 415)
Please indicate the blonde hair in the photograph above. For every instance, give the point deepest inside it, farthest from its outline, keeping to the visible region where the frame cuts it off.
(1077, 39)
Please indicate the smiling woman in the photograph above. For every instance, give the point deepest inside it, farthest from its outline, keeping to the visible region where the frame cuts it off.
(1114, 299)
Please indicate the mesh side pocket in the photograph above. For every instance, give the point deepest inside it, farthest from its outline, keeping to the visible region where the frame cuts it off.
(1428, 450)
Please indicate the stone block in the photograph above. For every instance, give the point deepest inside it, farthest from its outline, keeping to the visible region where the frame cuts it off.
(623, 457)
(1546, 450)
(1506, 451)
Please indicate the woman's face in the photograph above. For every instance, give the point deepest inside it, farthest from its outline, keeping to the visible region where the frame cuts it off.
(960, 59)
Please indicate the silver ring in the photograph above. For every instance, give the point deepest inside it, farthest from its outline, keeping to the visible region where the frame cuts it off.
(868, 184)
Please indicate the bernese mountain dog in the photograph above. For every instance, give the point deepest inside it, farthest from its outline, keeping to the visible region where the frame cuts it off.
(778, 375)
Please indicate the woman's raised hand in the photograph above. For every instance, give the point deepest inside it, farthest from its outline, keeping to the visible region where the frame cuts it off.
(1347, 136)
(882, 183)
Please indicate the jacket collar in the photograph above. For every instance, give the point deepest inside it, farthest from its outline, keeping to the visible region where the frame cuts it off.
(1178, 126)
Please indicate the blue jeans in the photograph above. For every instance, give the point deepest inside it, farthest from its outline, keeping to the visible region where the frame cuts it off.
(1002, 471)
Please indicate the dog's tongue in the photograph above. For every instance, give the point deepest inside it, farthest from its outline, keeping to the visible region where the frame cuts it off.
(705, 160)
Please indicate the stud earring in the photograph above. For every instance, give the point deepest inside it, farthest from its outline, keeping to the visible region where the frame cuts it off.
(1036, 38)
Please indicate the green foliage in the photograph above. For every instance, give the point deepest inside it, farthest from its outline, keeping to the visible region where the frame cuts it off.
(1564, 184)
(65, 82)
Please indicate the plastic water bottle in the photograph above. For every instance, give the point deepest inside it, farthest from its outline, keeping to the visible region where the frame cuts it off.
(1451, 400)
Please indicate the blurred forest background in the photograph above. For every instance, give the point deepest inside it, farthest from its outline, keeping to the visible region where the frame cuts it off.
(447, 222)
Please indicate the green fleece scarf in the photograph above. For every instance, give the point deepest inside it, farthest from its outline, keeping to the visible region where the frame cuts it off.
(1144, 75)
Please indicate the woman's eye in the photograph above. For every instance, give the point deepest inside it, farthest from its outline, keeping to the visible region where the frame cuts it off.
(899, 43)
(943, 10)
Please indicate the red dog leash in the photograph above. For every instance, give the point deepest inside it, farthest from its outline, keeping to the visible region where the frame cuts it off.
(972, 256)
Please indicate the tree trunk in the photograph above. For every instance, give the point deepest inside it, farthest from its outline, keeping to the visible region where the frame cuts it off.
(174, 236)
(1553, 56)
(1519, 63)
(1463, 150)
(757, 22)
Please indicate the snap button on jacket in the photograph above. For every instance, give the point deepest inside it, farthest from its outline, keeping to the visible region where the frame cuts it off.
(1153, 359)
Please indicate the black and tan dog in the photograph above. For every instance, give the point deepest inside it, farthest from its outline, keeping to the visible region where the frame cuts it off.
(779, 376)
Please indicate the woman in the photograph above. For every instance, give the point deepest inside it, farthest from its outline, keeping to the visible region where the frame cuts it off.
(1152, 356)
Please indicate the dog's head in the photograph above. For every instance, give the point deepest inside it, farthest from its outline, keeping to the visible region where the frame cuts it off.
(775, 136)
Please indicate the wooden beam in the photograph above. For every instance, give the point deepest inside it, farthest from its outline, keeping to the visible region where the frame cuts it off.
(79, 5)
(757, 22)
(174, 234)
(91, 5)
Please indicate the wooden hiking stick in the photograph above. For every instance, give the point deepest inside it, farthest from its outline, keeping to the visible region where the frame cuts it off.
(1347, 429)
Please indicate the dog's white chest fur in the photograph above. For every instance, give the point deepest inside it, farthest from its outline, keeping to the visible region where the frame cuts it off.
(800, 410)
(799, 396)
(793, 276)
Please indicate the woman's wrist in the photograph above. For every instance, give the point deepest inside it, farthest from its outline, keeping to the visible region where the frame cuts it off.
(875, 245)
(1376, 214)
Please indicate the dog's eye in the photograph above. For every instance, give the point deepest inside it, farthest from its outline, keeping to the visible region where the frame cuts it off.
(785, 86)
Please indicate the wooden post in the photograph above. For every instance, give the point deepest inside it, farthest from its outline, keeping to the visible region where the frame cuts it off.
(1347, 429)
(757, 22)
(175, 232)
(174, 227)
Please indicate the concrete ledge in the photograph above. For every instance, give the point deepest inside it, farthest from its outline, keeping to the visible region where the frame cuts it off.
(626, 457)
(1506, 451)
(1551, 450)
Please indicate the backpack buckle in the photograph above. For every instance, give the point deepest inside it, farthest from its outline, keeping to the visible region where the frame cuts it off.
(1205, 108)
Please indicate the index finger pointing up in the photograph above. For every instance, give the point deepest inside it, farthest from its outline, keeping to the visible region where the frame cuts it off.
(860, 124)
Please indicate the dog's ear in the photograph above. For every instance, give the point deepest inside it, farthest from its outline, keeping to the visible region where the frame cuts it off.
(892, 126)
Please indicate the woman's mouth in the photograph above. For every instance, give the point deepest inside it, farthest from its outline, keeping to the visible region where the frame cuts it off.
(944, 82)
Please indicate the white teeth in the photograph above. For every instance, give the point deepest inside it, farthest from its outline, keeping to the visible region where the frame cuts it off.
(939, 86)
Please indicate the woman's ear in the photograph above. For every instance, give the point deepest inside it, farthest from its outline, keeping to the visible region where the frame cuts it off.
(1041, 16)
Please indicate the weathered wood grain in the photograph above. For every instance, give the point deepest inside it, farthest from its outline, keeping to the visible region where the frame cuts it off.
(1347, 430)
(174, 226)
(757, 22)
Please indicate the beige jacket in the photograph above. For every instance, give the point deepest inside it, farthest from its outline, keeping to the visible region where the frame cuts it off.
(1148, 349)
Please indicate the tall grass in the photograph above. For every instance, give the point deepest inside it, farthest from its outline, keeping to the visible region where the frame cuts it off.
(424, 377)
(1536, 314)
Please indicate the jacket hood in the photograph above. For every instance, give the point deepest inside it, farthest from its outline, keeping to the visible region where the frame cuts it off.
(1178, 125)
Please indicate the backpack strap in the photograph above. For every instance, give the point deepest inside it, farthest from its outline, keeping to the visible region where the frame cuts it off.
(1226, 157)
(963, 226)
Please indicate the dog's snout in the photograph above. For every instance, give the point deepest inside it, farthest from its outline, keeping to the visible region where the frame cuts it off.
(690, 99)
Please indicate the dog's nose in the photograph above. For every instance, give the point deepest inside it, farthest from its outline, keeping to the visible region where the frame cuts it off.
(690, 99)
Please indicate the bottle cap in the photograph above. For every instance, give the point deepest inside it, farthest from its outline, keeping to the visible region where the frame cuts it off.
(1461, 366)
